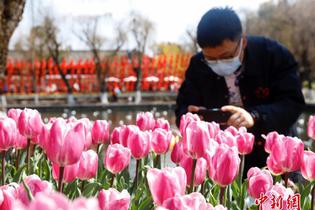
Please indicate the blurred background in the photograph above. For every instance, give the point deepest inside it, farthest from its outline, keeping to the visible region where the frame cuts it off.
(109, 59)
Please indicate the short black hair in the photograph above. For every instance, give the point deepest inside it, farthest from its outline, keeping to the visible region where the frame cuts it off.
(217, 25)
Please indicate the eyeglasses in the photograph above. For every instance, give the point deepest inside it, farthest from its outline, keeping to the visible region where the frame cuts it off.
(229, 55)
(237, 51)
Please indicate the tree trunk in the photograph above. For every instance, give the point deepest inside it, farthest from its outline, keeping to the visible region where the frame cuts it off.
(138, 98)
(101, 76)
(10, 15)
(3, 62)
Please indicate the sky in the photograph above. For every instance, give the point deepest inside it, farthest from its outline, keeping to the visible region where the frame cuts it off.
(171, 18)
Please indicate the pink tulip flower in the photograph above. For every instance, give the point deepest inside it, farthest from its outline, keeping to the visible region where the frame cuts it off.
(166, 183)
(185, 120)
(87, 131)
(200, 171)
(20, 141)
(259, 181)
(161, 140)
(50, 201)
(112, 199)
(8, 133)
(196, 139)
(126, 132)
(224, 165)
(8, 196)
(88, 165)
(311, 127)
(139, 144)
(232, 130)
(276, 192)
(245, 143)
(36, 185)
(218, 207)
(14, 114)
(162, 123)
(193, 201)
(44, 136)
(285, 156)
(85, 204)
(225, 137)
(308, 165)
(145, 121)
(66, 143)
(177, 152)
(70, 172)
(272, 139)
(114, 139)
(117, 158)
(213, 128)
(100, 132)
(30, 123)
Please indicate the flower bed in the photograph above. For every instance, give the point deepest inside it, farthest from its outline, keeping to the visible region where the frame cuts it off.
(78, 164)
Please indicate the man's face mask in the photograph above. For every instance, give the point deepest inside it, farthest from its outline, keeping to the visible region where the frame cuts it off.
(225, 67)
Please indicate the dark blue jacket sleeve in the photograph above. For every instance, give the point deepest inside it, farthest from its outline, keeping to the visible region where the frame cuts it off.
(287, 100)
(188, 93)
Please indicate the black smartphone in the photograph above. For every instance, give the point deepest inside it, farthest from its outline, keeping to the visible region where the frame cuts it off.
(215, 115)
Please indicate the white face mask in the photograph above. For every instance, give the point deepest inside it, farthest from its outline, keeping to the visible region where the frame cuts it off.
(226, 67)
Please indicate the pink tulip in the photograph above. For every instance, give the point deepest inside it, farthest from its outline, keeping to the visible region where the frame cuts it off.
(196, 139)
(224, 165)
(73, 119)
(218, 207)
(14, 114)
(117, 158)
(100, 132)
(85, 204)
(245, 143)
(30, 123)
(20, 141)
(214, 129)
(285, 155)
(139, 144)
(87, 131)
(259, 181)
(88, 165)
(49, 201)
(186, 119)
(8, 196)
(161, 140)
(308, 165)
(145, 121)
(162, 123)
(70, 172)
(66, 143)
(276, 192)
(177, 152)
(311, 127)
(126, 132)
(232, 130)
(166, 183)
(272, 139)
(115, 135)
(112, 199)
(200, 171)
(193, 201)
(8, 133)
(36, 185)
(225, 137)
(44, 136)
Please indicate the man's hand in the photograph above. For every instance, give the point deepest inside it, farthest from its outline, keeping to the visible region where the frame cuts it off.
(240, 117)
(194, 109)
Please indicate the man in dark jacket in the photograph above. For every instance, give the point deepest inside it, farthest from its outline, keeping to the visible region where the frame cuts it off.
(254, 78)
